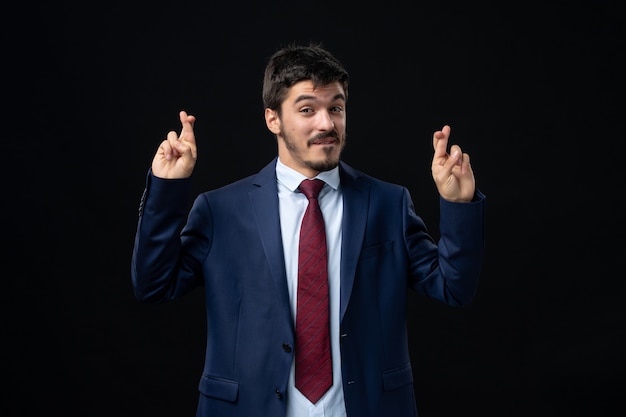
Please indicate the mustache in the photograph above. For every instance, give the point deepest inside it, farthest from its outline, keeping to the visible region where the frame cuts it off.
(324, 135)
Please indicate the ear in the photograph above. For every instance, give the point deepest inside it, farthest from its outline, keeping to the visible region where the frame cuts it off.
(272, 121)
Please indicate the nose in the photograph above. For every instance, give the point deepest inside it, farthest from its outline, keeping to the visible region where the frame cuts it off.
(326, 122)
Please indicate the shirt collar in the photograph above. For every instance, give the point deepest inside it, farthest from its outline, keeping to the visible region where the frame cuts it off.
(291, 178)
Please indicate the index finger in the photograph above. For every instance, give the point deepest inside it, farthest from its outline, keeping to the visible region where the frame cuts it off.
(187, 122)
(440, 141)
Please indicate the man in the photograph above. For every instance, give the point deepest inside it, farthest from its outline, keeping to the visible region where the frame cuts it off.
(240, 245)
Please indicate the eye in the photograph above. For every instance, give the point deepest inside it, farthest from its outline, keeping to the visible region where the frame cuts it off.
(306, 110)
(336, 109)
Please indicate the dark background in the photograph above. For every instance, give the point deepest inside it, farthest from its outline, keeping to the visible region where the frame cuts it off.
(533, 92)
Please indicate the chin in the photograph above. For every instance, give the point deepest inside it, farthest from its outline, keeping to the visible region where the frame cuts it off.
(324, 165)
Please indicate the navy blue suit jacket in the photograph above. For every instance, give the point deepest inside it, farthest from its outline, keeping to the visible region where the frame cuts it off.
(231, 247)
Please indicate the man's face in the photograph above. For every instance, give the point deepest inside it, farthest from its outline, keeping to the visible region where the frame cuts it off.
(312, 129)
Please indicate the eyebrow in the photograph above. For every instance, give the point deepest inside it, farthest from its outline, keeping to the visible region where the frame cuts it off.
(303, 97)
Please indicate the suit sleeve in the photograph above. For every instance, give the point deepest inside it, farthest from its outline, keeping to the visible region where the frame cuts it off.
(161, 269)
(451, 275)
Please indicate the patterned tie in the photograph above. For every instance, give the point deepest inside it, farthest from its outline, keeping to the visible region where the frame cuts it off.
(313, 363)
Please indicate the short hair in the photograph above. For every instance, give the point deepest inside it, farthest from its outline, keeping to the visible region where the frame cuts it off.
(294, 63)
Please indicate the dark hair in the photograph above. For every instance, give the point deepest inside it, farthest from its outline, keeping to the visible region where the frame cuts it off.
(295, 63)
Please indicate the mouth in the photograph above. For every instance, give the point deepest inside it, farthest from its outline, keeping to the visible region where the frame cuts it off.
(324, 141)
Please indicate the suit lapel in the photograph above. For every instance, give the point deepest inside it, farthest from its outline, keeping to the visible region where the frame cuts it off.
(264, 201)
(355, 207)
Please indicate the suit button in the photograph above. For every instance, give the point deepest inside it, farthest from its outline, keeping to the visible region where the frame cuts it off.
(287, 347)
(279, 394)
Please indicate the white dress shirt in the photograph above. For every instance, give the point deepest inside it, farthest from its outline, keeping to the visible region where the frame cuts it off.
(292, 205)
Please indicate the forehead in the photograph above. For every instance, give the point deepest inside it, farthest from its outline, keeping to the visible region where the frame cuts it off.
(305, 90)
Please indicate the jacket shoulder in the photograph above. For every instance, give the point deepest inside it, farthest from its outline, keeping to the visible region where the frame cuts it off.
(353, 177)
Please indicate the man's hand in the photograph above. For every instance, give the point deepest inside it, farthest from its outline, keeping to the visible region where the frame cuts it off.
(452, 172)
(177, 154)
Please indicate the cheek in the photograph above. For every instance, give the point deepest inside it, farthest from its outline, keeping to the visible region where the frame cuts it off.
(340, 124)
(298, 131)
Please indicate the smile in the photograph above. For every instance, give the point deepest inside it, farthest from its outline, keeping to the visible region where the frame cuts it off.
(325, 141)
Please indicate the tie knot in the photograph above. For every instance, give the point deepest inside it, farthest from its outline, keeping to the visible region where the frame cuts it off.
(311, 188)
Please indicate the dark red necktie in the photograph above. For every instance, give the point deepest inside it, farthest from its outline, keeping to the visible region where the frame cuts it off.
(313, 362)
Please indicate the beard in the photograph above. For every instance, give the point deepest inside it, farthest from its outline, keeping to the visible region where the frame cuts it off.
(330, 162)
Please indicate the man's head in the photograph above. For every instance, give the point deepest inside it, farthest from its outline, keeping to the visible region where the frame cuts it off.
(305, 90)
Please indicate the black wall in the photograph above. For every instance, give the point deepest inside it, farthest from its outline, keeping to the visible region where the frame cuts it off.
(533, 92)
